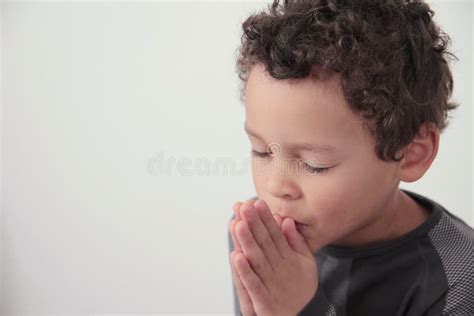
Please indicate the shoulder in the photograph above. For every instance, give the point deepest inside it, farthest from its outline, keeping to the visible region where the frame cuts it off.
(453, 241)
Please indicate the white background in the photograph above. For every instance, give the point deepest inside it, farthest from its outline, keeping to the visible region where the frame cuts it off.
(93, 95)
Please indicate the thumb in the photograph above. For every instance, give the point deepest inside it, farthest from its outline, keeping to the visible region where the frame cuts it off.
(294, 238)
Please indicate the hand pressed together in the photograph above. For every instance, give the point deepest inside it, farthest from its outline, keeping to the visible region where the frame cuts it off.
(273, 268)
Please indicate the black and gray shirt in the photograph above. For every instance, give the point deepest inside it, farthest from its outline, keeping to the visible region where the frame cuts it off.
(428, 271)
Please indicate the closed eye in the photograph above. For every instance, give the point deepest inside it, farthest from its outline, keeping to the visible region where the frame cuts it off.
(311, 169)
(259, 154)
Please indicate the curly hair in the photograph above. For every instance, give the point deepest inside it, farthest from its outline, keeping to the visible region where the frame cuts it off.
(391, 56)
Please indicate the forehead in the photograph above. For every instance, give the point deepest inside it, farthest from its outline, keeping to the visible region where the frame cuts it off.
(303, 110)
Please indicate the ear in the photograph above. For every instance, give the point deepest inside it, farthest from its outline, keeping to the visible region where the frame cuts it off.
(419, 154)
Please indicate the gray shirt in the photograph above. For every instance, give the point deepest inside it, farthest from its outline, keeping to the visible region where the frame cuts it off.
(428, 271)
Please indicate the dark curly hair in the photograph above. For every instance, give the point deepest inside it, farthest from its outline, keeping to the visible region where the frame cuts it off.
(391, 56)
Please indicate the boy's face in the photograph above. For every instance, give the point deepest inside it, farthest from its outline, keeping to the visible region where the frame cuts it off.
(339, 206)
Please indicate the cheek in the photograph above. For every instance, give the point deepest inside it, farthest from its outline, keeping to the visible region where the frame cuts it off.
(350, 198)
(329, 206)
(342, 204)
(358, 183)
(335, 216)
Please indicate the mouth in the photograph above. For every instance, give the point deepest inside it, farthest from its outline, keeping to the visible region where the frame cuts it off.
(300, 227)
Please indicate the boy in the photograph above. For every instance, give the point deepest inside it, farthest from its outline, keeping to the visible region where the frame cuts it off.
(343, 100)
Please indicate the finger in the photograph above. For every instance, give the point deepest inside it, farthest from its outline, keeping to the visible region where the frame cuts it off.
(262, 236)
(235, 241)
(245, 302)
(254, 254)
(273, 228)
(236, 209)
(252, 283)
(238, 205)
(278, 219)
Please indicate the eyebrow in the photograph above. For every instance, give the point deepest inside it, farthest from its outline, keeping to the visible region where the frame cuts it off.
(317, 148)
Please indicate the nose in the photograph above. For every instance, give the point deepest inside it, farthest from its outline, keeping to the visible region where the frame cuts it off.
(282, 186)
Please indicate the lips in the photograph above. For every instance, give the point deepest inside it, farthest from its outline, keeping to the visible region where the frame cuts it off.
(300, 227)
